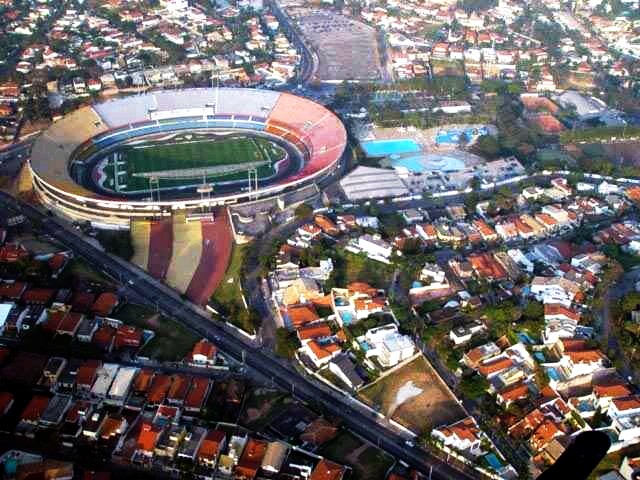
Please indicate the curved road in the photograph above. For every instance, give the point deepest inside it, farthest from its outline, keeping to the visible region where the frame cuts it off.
(139, 284)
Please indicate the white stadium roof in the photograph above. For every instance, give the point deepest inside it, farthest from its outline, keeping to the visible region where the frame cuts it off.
(236, 101)
(369, 182)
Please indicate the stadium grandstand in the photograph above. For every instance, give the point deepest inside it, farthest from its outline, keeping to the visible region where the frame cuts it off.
(70, 160)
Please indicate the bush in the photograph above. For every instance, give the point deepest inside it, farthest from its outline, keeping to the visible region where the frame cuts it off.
(303, 211)
(473, 387)
(117, 243)
(286, 343)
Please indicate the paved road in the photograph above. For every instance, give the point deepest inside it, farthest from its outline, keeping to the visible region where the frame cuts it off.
(140, 284)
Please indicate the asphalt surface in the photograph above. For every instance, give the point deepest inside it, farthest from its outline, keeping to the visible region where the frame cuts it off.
(144, 288)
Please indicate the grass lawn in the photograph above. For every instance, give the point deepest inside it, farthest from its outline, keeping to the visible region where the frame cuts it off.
(414, 396)
(172, 341)
(448, 68)
(367, 461)
(229, 293)
(169, 158)
(81, 270)
(350, 267)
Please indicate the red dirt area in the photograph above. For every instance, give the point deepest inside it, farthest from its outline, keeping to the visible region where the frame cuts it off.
(217, 241)
(538, 104)
(160, 248)
(547, 123)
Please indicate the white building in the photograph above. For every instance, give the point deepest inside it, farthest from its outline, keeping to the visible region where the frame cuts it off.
(464, 436)
(388, 345)
(374, 246)
(121, 385)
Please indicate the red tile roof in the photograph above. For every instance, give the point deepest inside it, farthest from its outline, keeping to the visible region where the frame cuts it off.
(315, 330)
(148, 437)
(198, 391)
(86, 373)
(546, 432)
(159, 388)
(211, 445)
(301, 314)
(552, 309)
(514, 392)
(70, 323)
(143, 380)
(12, 290)
(179, 388)
(38, 296)
(323, 351)
(327, 470)
(630, 402)
(104, 304)
(465, 429)
(617, 390)
(495, 365)
(251, 458)
(34, 410)
(128, 336)
(205, 348)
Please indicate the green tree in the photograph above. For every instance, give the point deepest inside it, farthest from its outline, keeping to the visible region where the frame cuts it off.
(303, 211)
(473, 386)
(286, 343)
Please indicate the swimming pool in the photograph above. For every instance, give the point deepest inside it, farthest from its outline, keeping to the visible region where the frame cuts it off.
(493, 461)
(429, 163)
(452, 137)
(347, 318)
(382, 148)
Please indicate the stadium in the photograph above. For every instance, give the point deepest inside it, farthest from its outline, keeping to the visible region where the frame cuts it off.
(148, 156)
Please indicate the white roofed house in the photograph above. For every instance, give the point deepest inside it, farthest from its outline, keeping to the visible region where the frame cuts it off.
(578, 359)
(625, 415)
(555, 290)
(375, 247)
(464, 436)
(560, 322)
(388, 345)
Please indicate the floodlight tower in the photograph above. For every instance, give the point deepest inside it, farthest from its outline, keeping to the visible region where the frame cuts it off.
(154, 184)
(252, 178)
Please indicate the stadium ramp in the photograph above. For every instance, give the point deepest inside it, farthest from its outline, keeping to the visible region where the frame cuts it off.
(160, 248)
(187, 251)
(217, 242)
(140, 233)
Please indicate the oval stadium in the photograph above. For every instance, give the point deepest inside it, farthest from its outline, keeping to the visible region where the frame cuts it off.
(147, 156)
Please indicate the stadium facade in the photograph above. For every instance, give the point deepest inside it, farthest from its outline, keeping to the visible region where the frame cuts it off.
(62, 152)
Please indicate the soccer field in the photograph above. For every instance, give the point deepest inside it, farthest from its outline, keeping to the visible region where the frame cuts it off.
(185, 162)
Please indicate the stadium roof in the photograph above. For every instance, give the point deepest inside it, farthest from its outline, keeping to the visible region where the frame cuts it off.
(585, 106)
(369, 182)
(235, 101)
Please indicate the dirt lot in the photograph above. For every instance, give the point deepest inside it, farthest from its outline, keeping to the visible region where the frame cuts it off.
(415, 397)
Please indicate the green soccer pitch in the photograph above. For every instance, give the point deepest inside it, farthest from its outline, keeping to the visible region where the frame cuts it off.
(184, 162)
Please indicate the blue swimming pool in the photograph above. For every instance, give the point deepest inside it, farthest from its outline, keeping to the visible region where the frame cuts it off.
(347, 318)
(382, 148)
(553, 374)
(493, 461)
(429, 163)
(452, 137)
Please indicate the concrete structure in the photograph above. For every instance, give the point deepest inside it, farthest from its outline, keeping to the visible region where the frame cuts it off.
(61, 156)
